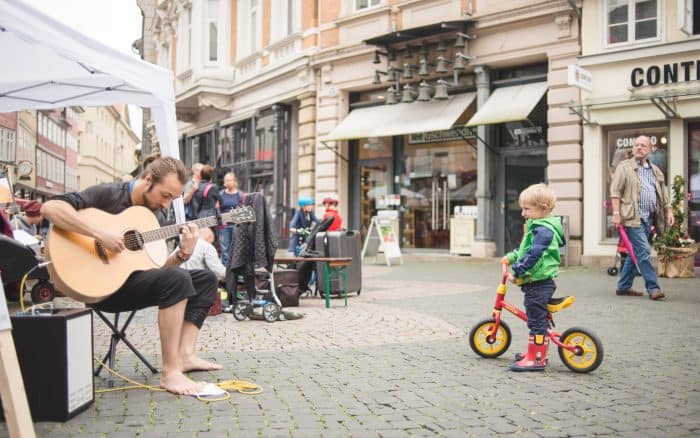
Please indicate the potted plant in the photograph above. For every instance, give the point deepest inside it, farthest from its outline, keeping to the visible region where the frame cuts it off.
(675, 249)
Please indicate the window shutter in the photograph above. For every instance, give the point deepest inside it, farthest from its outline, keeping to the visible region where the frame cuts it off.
(243, 33)
(685, 16)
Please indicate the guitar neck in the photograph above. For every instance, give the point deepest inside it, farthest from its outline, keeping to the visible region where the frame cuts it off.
(174, 230)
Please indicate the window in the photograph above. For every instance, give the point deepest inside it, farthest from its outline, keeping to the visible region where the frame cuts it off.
(253, 26)
(213, 23)
(184, 41)
(366, 4)
(619, 148)
(632, 20)
(163, 61)
(7, 145)
(285, 16)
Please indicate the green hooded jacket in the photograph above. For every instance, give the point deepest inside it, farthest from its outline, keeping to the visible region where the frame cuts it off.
(548, 265)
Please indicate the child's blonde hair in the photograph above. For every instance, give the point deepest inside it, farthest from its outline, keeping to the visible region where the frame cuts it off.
(539, 196)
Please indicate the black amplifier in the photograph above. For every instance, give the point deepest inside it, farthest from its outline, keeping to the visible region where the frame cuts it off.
(55, 354)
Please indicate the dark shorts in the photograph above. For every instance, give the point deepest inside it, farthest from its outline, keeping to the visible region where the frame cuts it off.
(166, 287)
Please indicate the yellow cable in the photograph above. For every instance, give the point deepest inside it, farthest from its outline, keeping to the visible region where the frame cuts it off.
(239, 386)
(21, 290)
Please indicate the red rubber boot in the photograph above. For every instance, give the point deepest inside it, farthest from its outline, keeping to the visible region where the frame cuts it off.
(536, 357)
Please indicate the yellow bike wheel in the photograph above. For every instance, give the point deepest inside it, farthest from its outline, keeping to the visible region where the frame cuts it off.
(483, 345)
(589, 350)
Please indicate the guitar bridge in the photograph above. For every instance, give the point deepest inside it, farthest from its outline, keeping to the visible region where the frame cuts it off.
(101, 252)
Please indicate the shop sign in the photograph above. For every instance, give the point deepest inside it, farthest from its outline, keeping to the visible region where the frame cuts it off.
(672, 73)
(579, 77)
(438, 136)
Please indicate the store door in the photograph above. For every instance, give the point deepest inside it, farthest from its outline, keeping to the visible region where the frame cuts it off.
(694, 184)
(520, 169)
(375, 184)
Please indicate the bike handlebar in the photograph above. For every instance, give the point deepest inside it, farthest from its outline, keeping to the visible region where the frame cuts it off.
(505, 273)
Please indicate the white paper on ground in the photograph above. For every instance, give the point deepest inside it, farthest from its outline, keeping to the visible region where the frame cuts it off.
(210, 390)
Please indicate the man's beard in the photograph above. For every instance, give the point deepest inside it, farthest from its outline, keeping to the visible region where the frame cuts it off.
(146, 200)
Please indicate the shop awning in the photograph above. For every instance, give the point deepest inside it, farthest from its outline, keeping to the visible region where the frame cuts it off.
(509, 104)
(402, 118)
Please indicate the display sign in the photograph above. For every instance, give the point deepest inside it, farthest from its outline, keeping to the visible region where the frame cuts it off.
(446, 135)
(380, 235)
(672, 73)
(578, 77)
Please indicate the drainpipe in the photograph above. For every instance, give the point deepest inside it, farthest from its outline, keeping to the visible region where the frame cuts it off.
(484, 190)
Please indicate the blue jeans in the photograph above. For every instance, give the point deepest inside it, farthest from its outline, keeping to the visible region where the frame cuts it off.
(537, 295)
(639, 237)
(225, 236)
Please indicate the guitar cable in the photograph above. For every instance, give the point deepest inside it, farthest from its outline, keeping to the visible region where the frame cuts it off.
(24, 280)
(239, 386)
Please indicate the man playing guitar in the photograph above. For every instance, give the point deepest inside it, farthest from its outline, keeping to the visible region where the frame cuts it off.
(183, 297)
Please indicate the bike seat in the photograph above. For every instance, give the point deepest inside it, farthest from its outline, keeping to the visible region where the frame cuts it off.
(556, 304)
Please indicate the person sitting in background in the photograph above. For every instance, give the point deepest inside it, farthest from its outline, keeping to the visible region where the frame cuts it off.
(204, 255)
(31, 220)
(231, 198)
(304, 218)
(331, 204)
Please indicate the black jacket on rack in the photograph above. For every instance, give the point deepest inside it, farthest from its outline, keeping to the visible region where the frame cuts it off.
(253, 245)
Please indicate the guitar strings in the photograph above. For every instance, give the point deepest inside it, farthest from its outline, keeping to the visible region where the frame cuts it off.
(146, 236)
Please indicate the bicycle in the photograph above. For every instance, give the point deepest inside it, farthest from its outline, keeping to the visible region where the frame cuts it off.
(579, 349)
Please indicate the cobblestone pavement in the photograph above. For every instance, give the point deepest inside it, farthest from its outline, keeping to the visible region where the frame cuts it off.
(396, 362)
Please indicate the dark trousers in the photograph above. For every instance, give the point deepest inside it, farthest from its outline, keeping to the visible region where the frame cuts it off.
(166, 287)
(537, 295)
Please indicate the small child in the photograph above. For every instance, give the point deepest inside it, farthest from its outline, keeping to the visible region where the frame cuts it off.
(331, 204)
(534, 265)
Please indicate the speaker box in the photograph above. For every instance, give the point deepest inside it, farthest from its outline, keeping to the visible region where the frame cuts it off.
(55, 351)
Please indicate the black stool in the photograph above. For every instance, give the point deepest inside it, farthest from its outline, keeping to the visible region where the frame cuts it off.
(119, 334)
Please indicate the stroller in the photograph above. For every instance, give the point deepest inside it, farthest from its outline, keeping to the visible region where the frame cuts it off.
(265, 303)
(16, 260)
(621, 255)
(308, 249)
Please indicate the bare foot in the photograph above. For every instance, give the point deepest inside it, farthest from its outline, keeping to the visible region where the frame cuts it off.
(194, 363)
(178, 383)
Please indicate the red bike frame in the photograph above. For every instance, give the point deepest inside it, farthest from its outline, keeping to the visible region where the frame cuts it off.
(501, 304)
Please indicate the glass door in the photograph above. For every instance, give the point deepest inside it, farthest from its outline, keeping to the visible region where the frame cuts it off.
(694, 184)
(520, 171)
(375, 184)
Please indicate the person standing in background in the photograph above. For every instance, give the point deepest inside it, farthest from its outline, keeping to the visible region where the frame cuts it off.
(231, 198)
(190, 189)
(640, 200)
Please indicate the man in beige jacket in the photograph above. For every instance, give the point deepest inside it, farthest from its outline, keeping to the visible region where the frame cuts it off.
(639, 199)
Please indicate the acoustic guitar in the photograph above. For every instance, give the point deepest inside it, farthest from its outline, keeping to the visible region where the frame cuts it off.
(85, 271)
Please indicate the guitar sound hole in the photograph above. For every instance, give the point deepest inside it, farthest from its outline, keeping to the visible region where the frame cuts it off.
(133, 240)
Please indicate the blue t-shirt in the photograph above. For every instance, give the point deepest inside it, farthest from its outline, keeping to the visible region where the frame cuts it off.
(230, 201)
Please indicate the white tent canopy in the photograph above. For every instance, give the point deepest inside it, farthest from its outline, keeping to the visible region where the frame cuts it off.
(48, 65)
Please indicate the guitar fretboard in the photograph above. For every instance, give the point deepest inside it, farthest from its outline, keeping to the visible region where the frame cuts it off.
(174, 230)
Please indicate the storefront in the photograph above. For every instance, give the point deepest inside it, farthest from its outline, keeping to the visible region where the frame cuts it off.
(421, 158)
(377, 120)
(257, 150)
(640, 92)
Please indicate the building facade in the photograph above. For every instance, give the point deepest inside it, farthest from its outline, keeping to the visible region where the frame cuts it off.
(245, 91)
(643, 59)
(263, 86)
(107, 145)
(498, 67)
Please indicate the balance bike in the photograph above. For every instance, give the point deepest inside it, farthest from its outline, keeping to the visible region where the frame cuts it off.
(580, 349)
